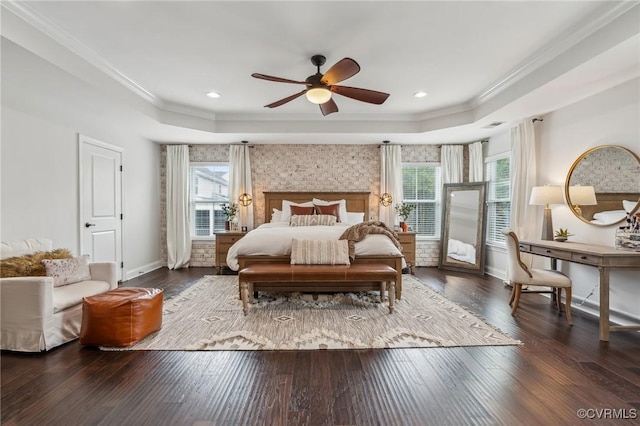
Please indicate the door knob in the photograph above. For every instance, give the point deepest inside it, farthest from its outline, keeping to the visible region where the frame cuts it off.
(88, 225)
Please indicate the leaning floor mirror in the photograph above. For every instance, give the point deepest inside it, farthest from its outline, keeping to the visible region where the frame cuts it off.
(463, 227)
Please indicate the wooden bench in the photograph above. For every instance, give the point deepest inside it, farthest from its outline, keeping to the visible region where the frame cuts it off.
(317, 278)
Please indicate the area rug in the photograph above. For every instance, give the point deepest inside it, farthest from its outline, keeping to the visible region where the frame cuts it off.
(208, 316)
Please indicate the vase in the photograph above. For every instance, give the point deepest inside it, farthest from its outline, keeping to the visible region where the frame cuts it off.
(227, 225)
(404, 226)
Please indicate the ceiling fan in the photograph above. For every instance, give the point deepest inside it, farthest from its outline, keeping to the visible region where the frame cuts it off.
(321, 86)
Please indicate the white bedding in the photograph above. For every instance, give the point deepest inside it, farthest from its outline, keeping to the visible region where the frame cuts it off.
(461, 251)
(609, 217)
(275, 239)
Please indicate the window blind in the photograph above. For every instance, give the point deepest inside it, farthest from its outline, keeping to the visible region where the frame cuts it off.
(209, 190)
(498, 204)
(421, 185)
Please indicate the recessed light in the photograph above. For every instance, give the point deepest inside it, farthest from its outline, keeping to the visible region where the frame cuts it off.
(213, 95)
(420, 94)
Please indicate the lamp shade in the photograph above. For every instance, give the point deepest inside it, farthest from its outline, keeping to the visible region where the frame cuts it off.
(544, 195)
(386, 199)
(318, 95)
(582, 195)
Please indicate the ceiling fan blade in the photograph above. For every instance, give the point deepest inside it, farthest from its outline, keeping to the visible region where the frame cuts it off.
(364, 95)
(277, 79)
(328, 107)
(285, 100)
(342, 70)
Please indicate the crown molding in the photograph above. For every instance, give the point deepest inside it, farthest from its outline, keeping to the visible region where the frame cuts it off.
(408, 122)
(33, 18)
(603, 17)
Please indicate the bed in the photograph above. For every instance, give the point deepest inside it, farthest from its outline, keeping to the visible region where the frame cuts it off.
(461, 251)
(611, 208)
(271, 242)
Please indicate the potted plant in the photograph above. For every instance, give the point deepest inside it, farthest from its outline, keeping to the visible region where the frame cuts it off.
(404, 210)
(230, 211)
(562, 235)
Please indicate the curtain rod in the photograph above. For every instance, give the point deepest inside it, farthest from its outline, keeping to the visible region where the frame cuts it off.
(466, 143)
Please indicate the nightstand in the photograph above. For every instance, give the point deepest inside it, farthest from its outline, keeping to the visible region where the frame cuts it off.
(408, 243)
(224, 241)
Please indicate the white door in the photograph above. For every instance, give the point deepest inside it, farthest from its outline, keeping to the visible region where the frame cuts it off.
(101, 202)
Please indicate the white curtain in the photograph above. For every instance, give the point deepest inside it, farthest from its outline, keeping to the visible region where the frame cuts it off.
(523, 179)
(452, 163)
(240, 182)
(476, 163)
(178, 217)
(390, 181)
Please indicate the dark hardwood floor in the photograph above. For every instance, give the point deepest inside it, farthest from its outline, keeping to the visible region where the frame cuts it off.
(559, 371)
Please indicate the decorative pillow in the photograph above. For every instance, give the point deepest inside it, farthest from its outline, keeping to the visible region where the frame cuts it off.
(30, 265)
(342, 210)
(320, 252)
(299, 210)
(67, 271)
(276, 216)
(286, 209)
(313, 220)
(354, 218)
(629, 205)
(610, 215)
(332, 209)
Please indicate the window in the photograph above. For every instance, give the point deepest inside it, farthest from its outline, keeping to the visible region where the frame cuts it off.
(209, 190)
(498, 204)
(421, 186)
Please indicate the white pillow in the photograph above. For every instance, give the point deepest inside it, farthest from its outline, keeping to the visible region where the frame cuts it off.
(342, 208)
(354, 218)
(610, 216)
(286, 209)
(628, 205)
(276, 216)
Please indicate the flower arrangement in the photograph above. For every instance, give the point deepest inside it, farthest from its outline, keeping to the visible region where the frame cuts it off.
(404, 210)
(230, 210)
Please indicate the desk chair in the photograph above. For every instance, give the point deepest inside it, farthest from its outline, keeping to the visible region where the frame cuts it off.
(520, 275)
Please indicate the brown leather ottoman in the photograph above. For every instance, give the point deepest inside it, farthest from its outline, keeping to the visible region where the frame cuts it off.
(121, 317)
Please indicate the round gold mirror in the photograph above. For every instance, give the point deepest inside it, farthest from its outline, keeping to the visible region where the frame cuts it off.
(603, 185)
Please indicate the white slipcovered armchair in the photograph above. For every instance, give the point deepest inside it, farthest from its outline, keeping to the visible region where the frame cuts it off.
(35, 315)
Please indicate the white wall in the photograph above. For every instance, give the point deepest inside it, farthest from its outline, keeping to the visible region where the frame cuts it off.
(610, 117)
(43, 110)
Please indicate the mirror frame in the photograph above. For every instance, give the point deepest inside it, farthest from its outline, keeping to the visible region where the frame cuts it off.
(573, 167)
(448, 189)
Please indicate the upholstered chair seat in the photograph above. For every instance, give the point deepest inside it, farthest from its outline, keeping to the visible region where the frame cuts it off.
(519, 274)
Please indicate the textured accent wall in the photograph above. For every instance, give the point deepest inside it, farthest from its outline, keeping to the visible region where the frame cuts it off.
(608, 170)
(305, 168)
(315, 168)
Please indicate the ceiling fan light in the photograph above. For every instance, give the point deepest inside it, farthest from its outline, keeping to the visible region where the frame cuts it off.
(318, 95)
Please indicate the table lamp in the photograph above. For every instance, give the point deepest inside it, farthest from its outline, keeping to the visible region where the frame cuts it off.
(543, 196)
(582, 196)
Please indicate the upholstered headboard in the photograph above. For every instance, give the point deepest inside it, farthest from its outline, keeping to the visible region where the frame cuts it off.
(356, 201)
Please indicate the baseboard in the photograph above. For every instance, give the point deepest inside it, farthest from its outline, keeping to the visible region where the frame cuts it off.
(144, 269)
(593, 309)
(494, 272)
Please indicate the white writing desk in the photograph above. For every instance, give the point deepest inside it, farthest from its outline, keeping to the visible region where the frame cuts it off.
(603, 257)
